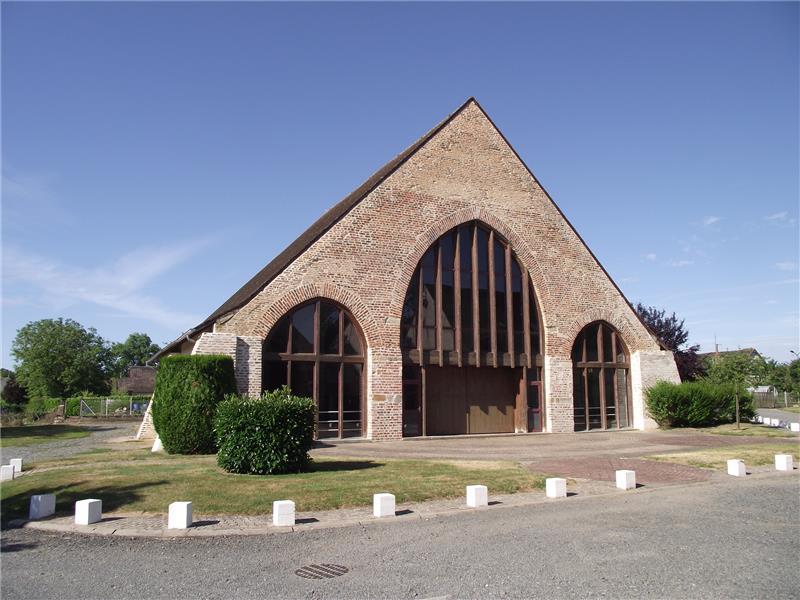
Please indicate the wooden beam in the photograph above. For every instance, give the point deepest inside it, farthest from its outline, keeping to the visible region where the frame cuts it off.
(476, 320)
(510, 309)
(439, 303)
(492, 301)
(526, 316)
(457, 296)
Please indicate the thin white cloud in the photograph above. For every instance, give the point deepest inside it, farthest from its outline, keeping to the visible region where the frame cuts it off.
(680, 263)
(650, 256)
(786, 265)
(710, 220)
(118, 286)
(778, 216)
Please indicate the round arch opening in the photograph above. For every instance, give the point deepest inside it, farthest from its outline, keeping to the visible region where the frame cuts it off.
(470, 337)
(601, 379)
(318, 350)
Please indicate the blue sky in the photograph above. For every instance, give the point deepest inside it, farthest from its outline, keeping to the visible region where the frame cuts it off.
(155, 156)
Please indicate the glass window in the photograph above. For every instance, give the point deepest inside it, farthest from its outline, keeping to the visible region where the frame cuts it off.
(351, 400)
(408, 323)
(429, 300)
(352, 341)
(533, 316)
(608, 353)
(621, 357)
(593, 392)
(579, 399)
(303, 330)
(610, 398)
(329, 328)
(517, 308)
(592, 354)
(501, 309)
(278, 339)
(622, 393)
(274, 375)
(302, 378)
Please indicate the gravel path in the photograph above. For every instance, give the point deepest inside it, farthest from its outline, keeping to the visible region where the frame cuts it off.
(101, 434)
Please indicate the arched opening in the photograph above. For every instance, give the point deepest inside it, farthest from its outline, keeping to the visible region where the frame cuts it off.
(318, 350)
(601, 379)
(470, 339)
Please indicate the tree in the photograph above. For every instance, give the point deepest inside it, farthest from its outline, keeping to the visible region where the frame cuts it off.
(60, 358)
(674, 335)
(14, 395)
(133, 351)
(741, 369)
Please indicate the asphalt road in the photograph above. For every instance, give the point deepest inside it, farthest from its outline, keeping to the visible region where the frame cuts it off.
(725, 539)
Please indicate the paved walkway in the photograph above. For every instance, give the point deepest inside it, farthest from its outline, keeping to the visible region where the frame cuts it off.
(777, 413)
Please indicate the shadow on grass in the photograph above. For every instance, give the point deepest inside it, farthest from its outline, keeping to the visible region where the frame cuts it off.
(118, 497)
(343, 465)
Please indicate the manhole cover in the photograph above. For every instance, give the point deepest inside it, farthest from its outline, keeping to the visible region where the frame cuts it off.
(323, 571)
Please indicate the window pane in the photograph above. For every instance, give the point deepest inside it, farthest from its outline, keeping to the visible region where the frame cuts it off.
(465, 257)
(483, 290)
(302, 378)
(622, 390)
(303, 330)
(533, 317)
(620, 350)
(278, 339)
(591, 342)
(595, 415)
(408, 323)
(517, 308)
(351, 402)
(328, 404)
(501, 309)
(611, 410)
(578, 396)
(429, 300)
(608, 354)
(329, 328)
(274, 375)
(352, 342)
(448, 311)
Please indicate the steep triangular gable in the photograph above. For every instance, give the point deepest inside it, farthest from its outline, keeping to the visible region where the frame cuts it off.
(342, 208)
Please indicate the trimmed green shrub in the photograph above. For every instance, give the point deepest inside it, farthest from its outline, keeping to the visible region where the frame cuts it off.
(696, 404)
(267, 435)
(188, 390)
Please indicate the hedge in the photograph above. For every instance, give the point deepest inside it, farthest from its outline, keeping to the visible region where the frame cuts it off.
(267, 435)
(188, 390)
(696, 404)
(36, 408)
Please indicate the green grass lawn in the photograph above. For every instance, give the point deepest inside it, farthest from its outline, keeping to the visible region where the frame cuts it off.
(794, 409)
(138, 480)
(717, 458)
(28, 435)
(748, 429)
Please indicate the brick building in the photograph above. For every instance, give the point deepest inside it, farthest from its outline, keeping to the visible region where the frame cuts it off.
(448, 294)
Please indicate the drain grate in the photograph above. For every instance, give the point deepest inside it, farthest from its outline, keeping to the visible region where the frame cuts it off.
(323, 571)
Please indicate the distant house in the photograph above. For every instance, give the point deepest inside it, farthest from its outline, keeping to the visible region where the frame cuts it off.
(749, 352)
(139, 380)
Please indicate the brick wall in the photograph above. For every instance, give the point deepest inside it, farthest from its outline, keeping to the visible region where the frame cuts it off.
(365, 261)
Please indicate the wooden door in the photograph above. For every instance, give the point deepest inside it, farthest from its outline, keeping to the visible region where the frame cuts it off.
(491, 398)
(445, 391)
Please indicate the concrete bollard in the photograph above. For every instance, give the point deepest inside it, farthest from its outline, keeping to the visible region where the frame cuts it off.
(88, 511)
(795, 427)
(759, 419)
(42, 505)
(626, 480)
(283, 513)
(17, 464)
(736, 468)
(180, 515)
(784, 462)
(6, 473)
(556, 487)
(477, 495)
(383, 505)
(157, 445)
(776, 422)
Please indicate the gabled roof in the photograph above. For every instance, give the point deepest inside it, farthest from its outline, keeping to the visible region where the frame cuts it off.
(339, 210)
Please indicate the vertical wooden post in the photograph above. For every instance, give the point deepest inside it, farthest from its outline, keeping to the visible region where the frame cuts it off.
(492, 299)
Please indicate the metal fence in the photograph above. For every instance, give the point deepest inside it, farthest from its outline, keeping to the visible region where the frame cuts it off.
(774, 399)
(111, 407)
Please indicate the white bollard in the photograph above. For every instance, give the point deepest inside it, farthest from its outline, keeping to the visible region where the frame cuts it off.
(784, 462)
(759, 419)
(736, 468)
(17, 464)
(180, 515)
(477, 495)
(6, 473)
(556, 487)
(42, 505)
(626, 480)
(795, 427)
(383, 505)
(88, 511)
(283, 513)
(157, 446)
(776, 422)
